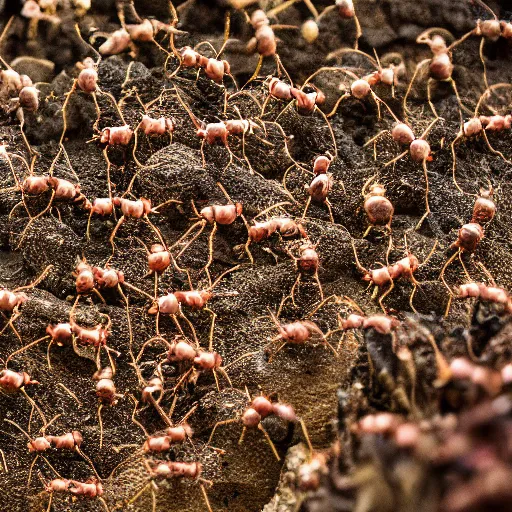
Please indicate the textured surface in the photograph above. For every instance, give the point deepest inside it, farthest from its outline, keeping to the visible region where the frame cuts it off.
(307, 377)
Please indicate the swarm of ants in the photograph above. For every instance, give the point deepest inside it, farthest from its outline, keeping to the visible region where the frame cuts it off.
(204, 237)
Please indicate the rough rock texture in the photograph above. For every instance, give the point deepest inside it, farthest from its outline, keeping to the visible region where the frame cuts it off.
(258, 171)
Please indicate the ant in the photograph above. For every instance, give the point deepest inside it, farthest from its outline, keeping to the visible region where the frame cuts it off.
(201, 361)
(297, 333)
(94, 337)
(136, 209)
(285, 226)
(386, 275)
(11, 382)
(215, 214)
(106, 392)
(60, 334)
(260, 408)
(488, 30)
(471, 234)
(440, 65)
(378, 208)
(167, 470)
(218, 133)
(307, 263)
(480, 125)
(419, 151)
(11, 300)
(481, 291)
(264, 41)
(70, 441)
(346, 11)
(91, 488)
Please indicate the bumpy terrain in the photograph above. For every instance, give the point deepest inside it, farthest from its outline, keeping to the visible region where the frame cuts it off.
(255, 255)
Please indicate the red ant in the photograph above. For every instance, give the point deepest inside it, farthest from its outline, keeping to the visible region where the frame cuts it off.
(218, 133)
(468, 238)
(60, 334)
(480, 125)
(91, 488)
(201, 361)
(386, 275)
(285, 226)
(167, 470)
(214, 68)
(345, 10)
(440, 65)
(215, 214)
(471, 234)
(94, 337)
(136, 209)
(70, 441)
(297, 333)
(378, 208)
(11, 300)
(264, 41)
(106, 392)
(163, 443)
(490, 30)
(260, 408)
(488, 293)
(11, 382)
(307, 263)
(419, 151)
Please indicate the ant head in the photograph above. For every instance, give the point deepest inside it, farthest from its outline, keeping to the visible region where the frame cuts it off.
(259, 18)
(310, 31)
(376, 189)
(157, 248)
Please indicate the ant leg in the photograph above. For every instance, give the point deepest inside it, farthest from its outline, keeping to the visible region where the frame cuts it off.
(495, 151)
(216, 380)
(418, 67)
(427, 212)
(308, 202)
(29, 479)
(34, 405)
(269, 441)
(328, 204)
(32, 219)
(401, 155)
(24, 348)
(191, 327)
(306, 435)
(212, 329)
(481, 53)
(324, 301)
(194, 238)
(210, 252)
(443, 368)
(429, 98)
(218, 424)
(316, 278)
(223, 372)
(274, 354)
(411, 298)
(443, 270)
(337, 104)
(113, 235)
(463, 107)
(50, 502)
(64, 106)
(385, 294)
(100, 422)
(139, 494)
(292, 292)
(375, 137)
(454, 159)
(205, 496)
